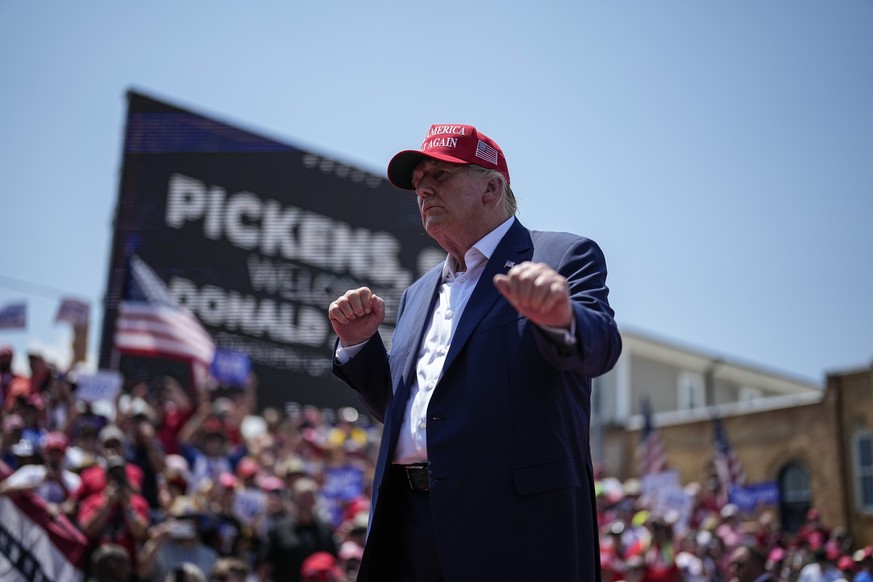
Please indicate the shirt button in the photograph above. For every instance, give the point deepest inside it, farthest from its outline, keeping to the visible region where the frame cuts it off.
(450, 313)
(422, 424)
(443, 351)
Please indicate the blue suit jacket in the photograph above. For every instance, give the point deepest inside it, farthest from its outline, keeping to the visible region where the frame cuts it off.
(511, 481)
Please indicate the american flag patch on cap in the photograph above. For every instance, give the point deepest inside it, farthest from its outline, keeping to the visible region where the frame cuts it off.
(486, 152)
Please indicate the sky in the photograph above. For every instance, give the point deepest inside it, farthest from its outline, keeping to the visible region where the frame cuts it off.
(720, 153)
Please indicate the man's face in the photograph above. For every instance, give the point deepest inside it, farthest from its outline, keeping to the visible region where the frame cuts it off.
(113, 446)
(55, 457)
(450, 199)
(741, 567)
(37, 364)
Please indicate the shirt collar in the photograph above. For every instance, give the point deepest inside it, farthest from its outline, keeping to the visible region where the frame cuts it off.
(484, 247)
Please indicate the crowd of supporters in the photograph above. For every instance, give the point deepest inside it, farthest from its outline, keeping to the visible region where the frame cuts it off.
(716, 542)
(169, 483)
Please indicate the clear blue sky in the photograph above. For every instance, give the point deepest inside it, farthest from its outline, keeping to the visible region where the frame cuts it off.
(721, 153)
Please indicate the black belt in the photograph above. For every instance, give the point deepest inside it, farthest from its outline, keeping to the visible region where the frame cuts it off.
(416, 476)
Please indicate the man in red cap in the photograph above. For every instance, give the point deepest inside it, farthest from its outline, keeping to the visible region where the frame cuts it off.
(47, 477)
(484, 466)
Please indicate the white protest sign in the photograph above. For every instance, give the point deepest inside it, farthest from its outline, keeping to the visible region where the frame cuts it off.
(103, 385)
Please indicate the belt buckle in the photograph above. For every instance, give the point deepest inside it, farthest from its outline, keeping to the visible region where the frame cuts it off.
(410, 472)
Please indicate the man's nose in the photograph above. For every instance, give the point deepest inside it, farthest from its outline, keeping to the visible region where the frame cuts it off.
(424, 190)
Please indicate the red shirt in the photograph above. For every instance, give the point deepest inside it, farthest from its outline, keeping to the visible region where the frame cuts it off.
(116, 530)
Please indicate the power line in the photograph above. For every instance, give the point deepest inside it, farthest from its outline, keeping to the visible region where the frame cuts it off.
(33, 288)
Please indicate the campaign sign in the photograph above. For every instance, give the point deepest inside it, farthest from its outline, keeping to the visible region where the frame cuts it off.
(103, 385)
(13, 316)
(342, 484)
(231, 368)
(663, 495)
(256, 237)
(74, 312)
(750, 497)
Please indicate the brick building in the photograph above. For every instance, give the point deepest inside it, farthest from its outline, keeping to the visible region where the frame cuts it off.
(815, 445)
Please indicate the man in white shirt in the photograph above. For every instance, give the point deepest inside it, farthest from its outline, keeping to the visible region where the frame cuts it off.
(46, 476)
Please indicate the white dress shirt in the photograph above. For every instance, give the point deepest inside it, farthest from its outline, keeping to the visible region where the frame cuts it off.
(454, 293)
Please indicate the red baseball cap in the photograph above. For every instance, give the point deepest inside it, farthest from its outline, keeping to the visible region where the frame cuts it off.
(457, 144)
(55, 441)
(247, 467)
(320, 566)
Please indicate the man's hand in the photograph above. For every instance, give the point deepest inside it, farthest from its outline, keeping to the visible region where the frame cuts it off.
(539, 293)
(113, 493)
(356, 316)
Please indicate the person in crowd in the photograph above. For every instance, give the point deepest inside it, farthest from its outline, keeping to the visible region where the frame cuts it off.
(175, 542)
(111, 444)
(748, 564)
(250, 501)
(767, 534)
(173, 407)
(230, 570)
(110, 563)
(25, 454)
(634, 570)
(30, 408)
(185, 572)
(689, 558)
(490, 347)
(212, 457)
(820, 569)
(812, 534)
(174, 482)
(205, 442)
(7, 375)
(715, 558)
(321, 567)
(659, 554)
(847, 567)
(41, 373)
(776, 562)
(47, 476)
(110, 509)
(350, 555)
(145, 449)
(295, 532)
(84, 426)
(730, 530)
(222, 528)
(13, 431)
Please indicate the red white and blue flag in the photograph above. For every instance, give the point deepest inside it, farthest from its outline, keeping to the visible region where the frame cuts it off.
(651, 456)
(486, 152)
(151, 323)
(35, 545)
(727, 466)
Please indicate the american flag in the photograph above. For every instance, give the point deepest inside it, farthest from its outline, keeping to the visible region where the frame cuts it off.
(651, 456)
(35, 544)
(151, 323)
(486, 152)
(727, 466)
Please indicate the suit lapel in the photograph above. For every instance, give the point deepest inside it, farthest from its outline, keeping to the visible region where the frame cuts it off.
(419, 301)
(515, 247)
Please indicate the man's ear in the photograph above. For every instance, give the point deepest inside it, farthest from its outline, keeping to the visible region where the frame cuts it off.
(493, 190)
